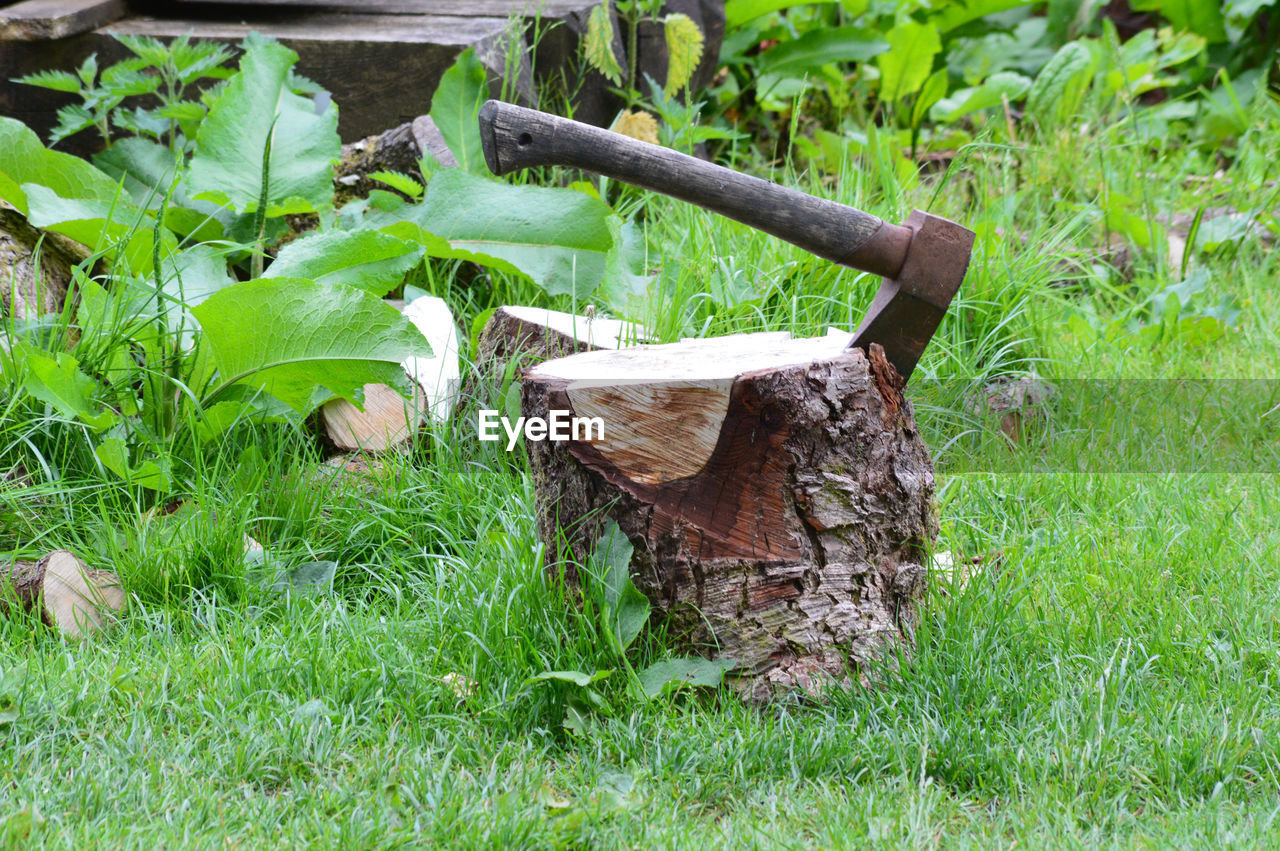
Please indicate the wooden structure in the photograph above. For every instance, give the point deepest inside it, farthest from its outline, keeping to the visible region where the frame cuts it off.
(381, 59)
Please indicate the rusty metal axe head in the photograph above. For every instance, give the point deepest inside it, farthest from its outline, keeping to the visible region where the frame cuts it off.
(922, 262)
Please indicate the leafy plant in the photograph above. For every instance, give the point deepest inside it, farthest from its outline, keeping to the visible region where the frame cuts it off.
(173, 347)
(685, 44)
(622, 613)
(167, 71)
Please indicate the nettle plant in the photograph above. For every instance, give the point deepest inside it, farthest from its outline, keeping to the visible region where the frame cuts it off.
(181, 327)
(685, 42)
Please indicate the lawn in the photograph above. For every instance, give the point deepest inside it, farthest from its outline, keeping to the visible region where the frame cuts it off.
(1106, 677)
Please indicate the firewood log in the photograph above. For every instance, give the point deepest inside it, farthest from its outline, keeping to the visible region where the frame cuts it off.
(68, 595)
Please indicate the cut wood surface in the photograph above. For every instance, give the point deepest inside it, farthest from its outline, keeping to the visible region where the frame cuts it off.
(777, 494)
(536, 334)
(40, 20)
(517, 337)
(68, 595)
(388, 419)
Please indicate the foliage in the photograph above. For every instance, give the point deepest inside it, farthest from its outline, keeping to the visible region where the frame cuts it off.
(1107, 674)
(943, 70)
(165, 71)
(172, 350)
(684, 39)
(623, 612)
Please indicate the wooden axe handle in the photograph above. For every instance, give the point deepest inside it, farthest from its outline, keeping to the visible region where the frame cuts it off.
(514, 137)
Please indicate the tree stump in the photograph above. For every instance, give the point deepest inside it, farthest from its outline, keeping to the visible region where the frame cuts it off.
(398, 149)
(776, 492)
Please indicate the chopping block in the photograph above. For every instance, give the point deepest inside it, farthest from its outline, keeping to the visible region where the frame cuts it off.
(776, 492)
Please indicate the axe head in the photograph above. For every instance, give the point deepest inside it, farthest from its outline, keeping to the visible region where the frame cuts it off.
(909, 306)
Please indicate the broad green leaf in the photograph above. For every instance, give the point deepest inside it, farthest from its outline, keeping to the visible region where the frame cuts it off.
(577, 678)
(369, 260)
(627, 608)
(598, 45)
(992, 93)
(631, 616)
(684, 50)
(1203, 17)
(683, 671)
(1058, 88)
(934, 89)
(146, 168)
(60, 383)
(258, 108)
(822, 46)
(99, 225)
(25, 160)
(454, 107)
(626, 287)
(305, 579)
(907, 64)
(556, 237)
(739, 12)
(189, 278)
(302, 342)
(611, 558)
(955, 14)
(150, 474)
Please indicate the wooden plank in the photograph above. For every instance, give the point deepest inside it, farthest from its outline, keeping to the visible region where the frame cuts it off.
(380, 74)
(40, 20)
(452, 8)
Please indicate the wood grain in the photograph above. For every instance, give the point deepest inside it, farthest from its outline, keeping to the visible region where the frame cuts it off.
(459, 8)
(41, 20)
(382, 71)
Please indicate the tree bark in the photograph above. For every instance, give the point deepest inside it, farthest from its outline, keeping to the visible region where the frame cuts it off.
(777, 494)
(32, 285)
(398, 149)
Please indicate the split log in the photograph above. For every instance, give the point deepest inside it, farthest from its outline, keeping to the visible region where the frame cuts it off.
(524, 336)
(388, 419)
(67, 594)
(777, 494)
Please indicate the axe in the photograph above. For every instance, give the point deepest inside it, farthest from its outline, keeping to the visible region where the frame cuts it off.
(921, 262)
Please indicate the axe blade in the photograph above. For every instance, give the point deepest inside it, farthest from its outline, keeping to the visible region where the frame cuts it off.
(909, 306)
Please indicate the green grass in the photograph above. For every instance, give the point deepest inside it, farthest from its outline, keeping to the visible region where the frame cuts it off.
(1110, 679)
